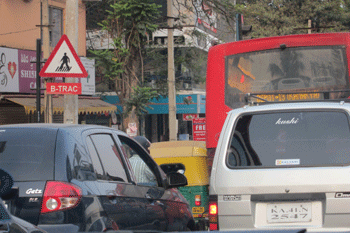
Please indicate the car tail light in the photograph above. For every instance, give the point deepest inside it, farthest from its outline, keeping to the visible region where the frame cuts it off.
(60, 196)
(197, 200)
(213, 213)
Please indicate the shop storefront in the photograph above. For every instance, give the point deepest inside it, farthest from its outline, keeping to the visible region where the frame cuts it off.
(18, 92)
(157, 120)
(15, 109)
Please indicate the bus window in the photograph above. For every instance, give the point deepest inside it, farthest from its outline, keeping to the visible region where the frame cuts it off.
(291, 69)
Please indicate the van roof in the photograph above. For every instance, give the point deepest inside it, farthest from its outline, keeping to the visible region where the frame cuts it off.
(294, 105)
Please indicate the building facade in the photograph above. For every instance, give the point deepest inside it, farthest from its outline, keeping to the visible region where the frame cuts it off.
(22, 24)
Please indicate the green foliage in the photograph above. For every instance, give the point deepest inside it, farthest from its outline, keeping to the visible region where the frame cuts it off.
(108, 64)
(128, 22)
(188, 62)
(284, 17)
(139, 100)
(132, 19)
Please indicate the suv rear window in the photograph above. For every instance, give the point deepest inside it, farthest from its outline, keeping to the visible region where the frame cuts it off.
(28, 154)
(303, 138)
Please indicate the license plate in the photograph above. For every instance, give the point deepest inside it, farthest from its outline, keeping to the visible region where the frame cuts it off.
(197, 210)
(296, 212)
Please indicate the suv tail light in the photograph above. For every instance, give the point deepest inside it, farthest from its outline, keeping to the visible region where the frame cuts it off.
(197, 200)
(60, 196)
(213, 213)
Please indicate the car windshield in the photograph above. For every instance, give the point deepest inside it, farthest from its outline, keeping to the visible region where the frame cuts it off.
(28, 155)
(313, 138)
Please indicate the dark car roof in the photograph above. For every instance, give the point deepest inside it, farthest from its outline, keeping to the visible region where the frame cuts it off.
(51, 125)
(66, 127)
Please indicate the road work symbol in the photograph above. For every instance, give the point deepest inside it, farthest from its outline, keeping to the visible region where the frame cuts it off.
(65, 60)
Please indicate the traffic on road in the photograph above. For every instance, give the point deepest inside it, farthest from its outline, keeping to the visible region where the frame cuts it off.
(93, 178)
(170, 116)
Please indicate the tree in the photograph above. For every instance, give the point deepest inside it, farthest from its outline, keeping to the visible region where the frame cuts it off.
(285, 17)
(275, 17)
(128, 22)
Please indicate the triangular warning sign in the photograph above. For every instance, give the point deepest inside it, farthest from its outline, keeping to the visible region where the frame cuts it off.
(63, 62)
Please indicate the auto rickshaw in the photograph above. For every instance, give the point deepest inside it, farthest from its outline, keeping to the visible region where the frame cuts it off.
(189, 158)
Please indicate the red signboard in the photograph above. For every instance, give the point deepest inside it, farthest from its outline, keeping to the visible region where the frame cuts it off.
(63, 88)
(199, 129)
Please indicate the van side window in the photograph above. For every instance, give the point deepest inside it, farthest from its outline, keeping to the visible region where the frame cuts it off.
(237, 153)
(110, 157)
(240, 151)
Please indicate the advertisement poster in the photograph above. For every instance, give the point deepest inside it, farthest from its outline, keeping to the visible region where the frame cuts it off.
(27, 71)
(9, 70)
(189, 117)
(199, 129)
(88, 84)
(18, 72)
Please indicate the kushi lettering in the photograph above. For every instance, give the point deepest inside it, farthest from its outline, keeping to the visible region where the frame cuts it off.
(287, 122)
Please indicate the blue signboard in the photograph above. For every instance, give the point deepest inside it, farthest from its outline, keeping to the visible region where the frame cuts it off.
(194, 103)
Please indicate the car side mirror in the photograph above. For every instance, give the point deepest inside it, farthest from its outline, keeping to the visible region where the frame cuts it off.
(6, 183)
(175, 179)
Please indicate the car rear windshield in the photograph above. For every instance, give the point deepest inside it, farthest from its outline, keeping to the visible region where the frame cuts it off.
(284, 139)
(28, 154)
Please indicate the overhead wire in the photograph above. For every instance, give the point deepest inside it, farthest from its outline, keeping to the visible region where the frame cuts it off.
(8, 33)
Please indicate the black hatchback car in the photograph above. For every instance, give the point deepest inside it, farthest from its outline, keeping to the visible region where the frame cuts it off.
(92, 177)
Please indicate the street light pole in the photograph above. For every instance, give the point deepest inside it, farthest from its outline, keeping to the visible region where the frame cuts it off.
(71, 101)
(171, 75)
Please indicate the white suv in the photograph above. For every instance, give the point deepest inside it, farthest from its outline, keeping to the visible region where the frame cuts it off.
(283, 165)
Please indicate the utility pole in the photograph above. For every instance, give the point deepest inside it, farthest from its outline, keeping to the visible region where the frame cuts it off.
(238, 27)
(46, 53)
(38, 79)
(171, 74)
(309, 25)
(71, 101)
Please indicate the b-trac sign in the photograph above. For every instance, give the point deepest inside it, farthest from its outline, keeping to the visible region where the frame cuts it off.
(64, 88)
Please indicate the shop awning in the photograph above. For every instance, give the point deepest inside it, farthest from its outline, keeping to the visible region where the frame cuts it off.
(88, 105)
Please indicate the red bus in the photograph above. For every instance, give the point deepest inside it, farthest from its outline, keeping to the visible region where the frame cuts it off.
(284, 68)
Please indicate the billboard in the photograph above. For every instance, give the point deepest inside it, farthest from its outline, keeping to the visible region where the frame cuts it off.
(18, 72)
(9, 70)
